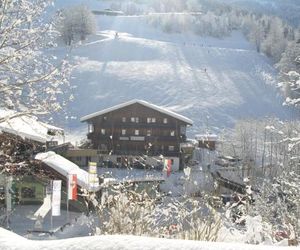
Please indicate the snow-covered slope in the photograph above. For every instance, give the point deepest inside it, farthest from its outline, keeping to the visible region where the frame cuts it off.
(9, 241)
(214, 82)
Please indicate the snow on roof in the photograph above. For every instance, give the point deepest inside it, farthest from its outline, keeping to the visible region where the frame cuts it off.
(66, 167)
(206, 137)
(26, 126)
(142, 102)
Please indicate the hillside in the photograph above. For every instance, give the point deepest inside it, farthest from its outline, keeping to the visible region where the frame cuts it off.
(288, 10)
(212, 81)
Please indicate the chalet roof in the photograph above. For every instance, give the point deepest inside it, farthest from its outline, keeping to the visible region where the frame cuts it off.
(26, 126)
(142, 102)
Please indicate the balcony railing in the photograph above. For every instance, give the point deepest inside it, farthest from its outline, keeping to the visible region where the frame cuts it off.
(131, 137)
(142, 152)
(107, 125)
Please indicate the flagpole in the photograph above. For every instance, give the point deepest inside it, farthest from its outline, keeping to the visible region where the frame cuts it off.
(6, 201)
(51, 219)
(68, 187)
(8, 183)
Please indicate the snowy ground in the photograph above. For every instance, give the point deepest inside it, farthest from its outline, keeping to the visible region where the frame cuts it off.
(212, 81)
(22, 221)
(9, 241)
(129, 174)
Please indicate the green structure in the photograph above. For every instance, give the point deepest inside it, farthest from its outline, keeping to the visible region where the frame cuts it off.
(28, 190)
(24, 190)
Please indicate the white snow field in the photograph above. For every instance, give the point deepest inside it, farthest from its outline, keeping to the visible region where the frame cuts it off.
(212, 81)
(9, 241)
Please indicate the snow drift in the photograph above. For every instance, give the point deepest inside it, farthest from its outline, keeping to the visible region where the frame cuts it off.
(9, 241)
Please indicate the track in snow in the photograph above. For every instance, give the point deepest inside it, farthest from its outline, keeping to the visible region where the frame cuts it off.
(212, 81)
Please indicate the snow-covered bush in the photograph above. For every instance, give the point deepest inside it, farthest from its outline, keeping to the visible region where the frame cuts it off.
(197, 219)
(255, 231)
(275, 148)
(129, 212)
(76, 24)
(126, 212)
(278, 205)
(31, 81)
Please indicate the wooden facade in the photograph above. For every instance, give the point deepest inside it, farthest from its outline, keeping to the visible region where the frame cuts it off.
(207, 141)
(136, 128)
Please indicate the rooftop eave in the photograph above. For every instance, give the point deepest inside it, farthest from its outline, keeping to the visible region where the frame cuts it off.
(142, 102)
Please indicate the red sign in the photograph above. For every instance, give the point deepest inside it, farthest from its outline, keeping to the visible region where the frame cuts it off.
(72, 187)
(168, 166)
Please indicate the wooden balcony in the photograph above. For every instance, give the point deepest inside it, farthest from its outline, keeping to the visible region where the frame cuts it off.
(143, 152)
(130, 137)
(107, 125)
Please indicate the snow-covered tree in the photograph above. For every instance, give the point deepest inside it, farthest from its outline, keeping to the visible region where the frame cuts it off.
(131, 8)
(288, 61)
(77, 23)
(275, 43)
(278, 205)
(256, 35)
(30, 79)
(193, 5)
(291, 88)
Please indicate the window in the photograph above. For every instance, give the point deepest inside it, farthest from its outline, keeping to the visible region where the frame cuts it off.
(136, 132)
(90, 128)
(172, 133)
(123, 131)
(28, 192)
(165, 121)
(102, 131)
(151, 119)
(171, 148)
(134, 119)
(148, 132)
(123, 119)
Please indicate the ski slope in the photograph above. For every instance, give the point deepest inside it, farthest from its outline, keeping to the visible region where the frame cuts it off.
(214, 82)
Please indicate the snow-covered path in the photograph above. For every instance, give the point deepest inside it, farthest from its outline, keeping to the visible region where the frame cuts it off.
(212, 81)
(10, 241)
